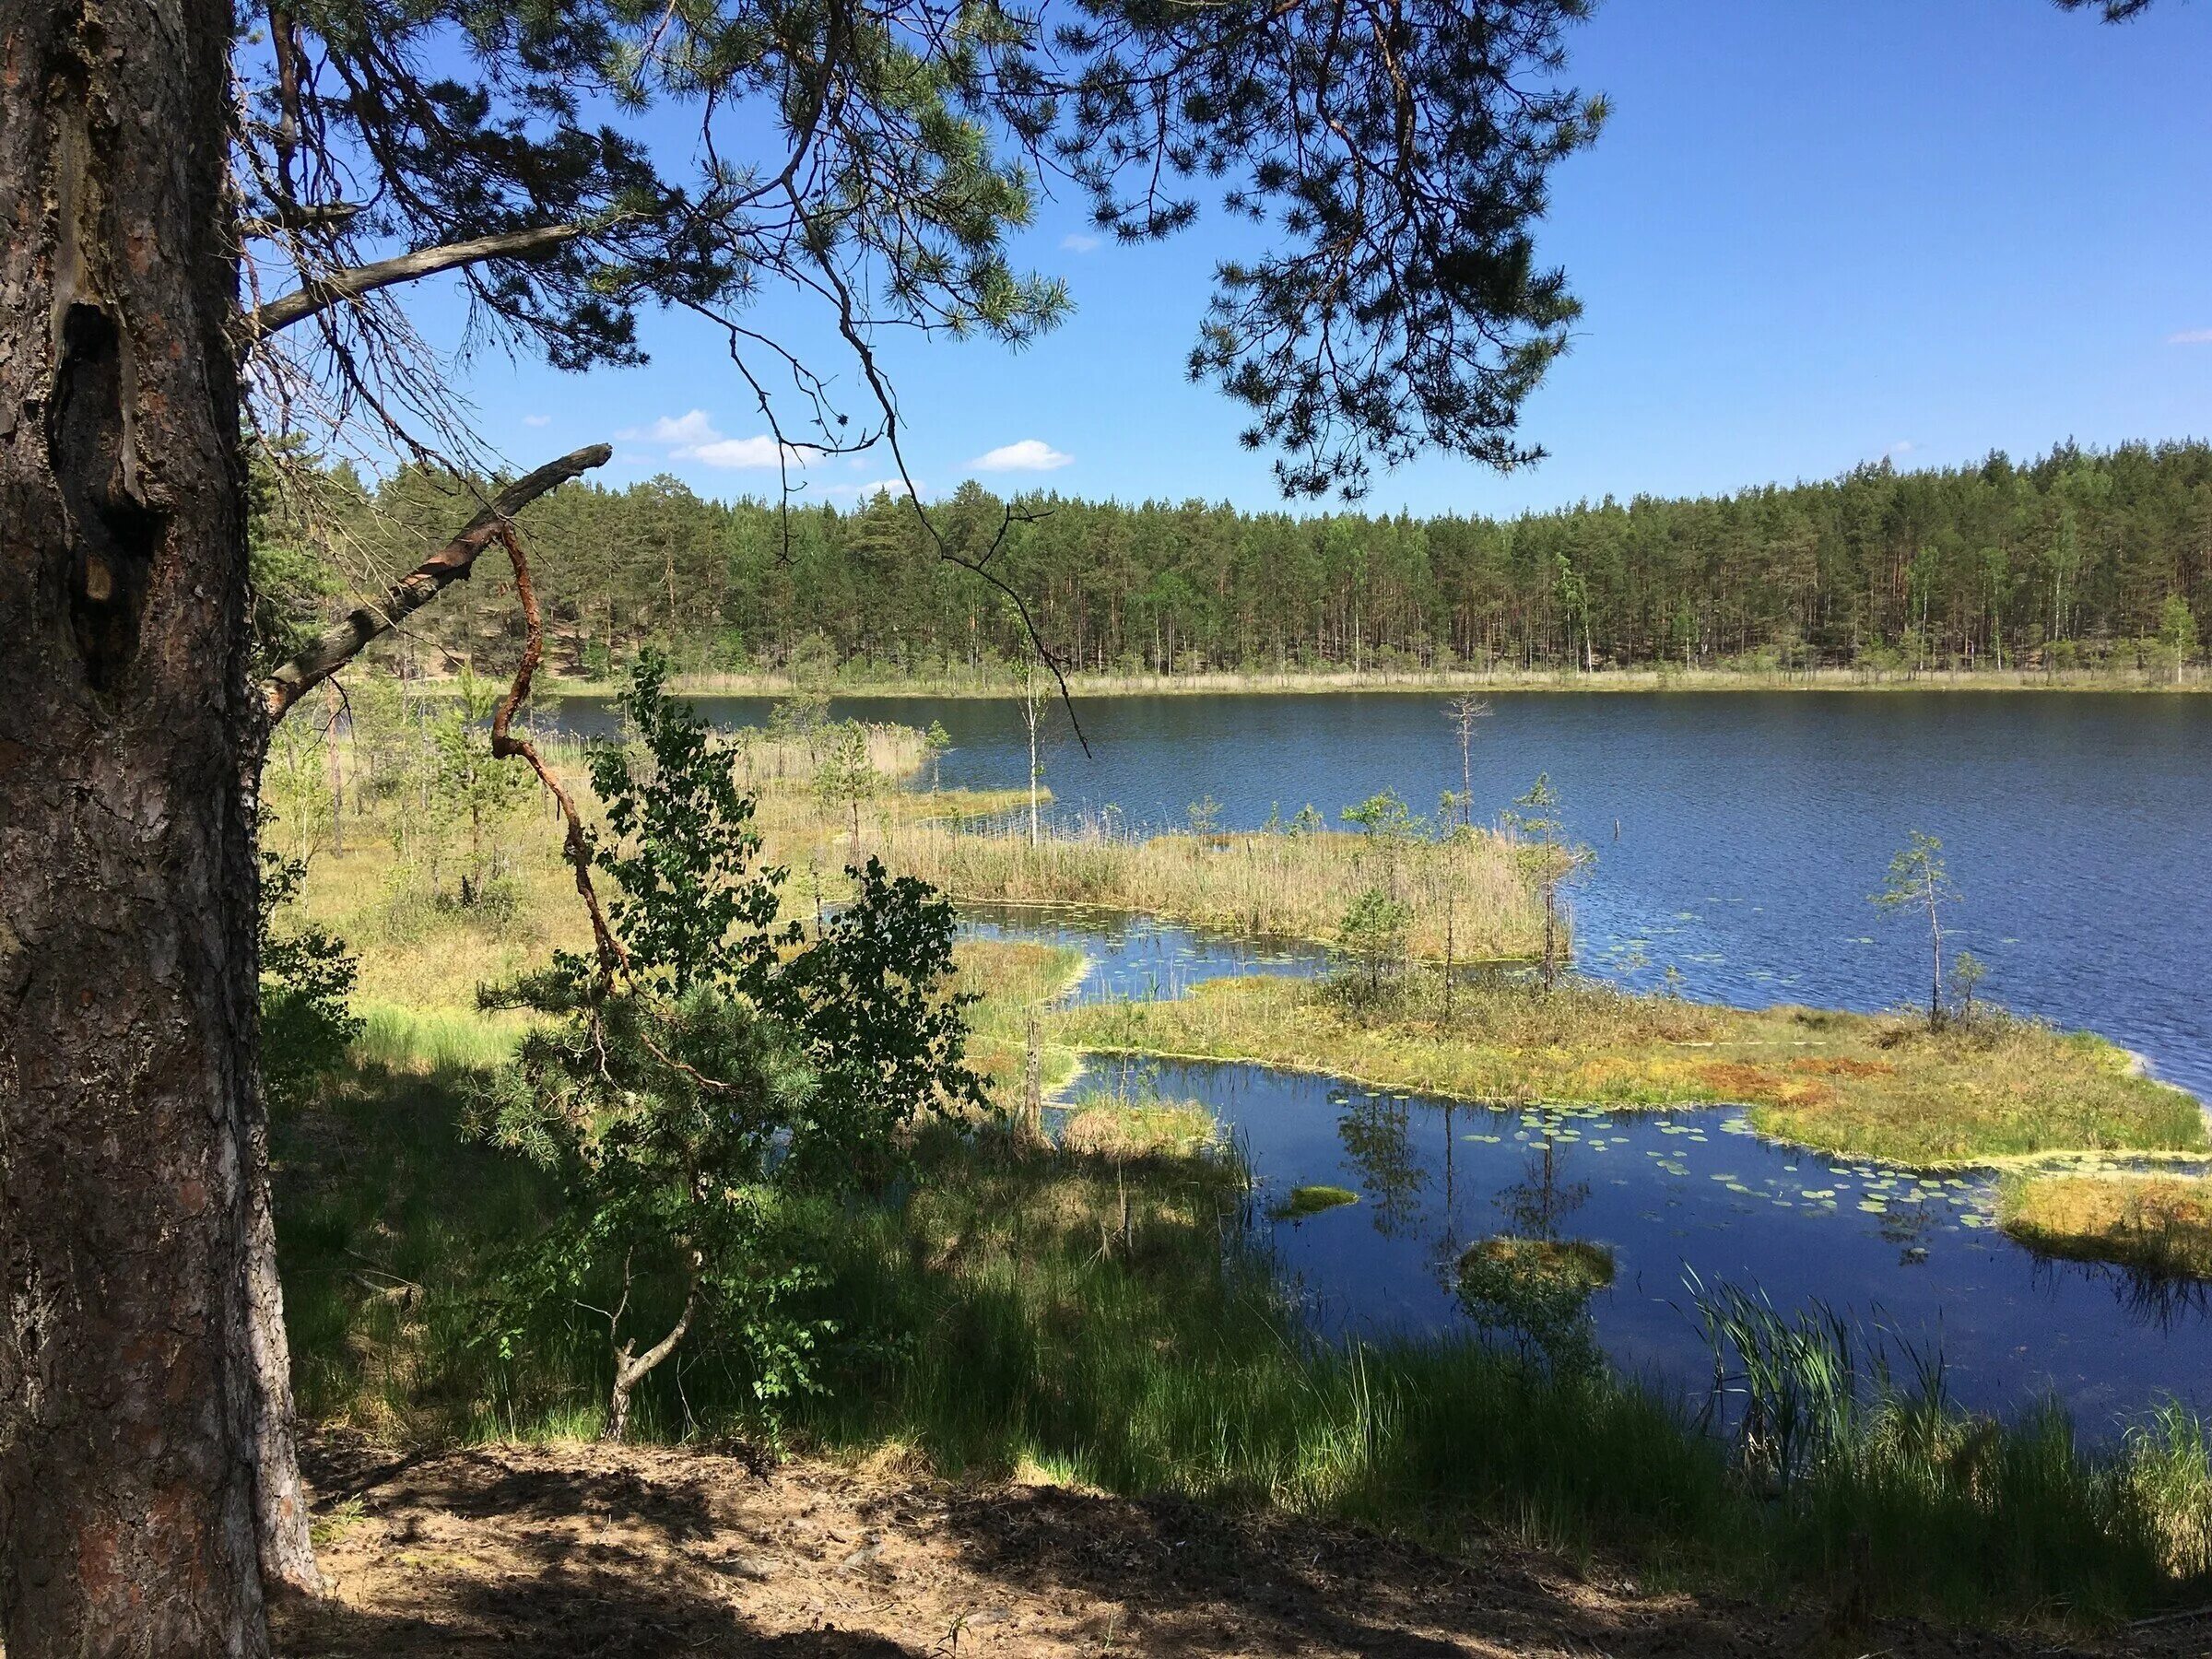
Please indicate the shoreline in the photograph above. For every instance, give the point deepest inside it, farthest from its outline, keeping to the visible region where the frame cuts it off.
(1602, 681)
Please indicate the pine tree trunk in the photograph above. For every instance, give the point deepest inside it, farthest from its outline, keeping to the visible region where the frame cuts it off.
(127, 968)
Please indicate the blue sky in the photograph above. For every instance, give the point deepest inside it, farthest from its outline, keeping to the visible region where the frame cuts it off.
(1811, 235)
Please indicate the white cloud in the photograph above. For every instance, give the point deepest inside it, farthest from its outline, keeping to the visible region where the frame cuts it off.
(682, 431)
(1032, 455)
(868, 491)
(744, 452)
(537, 420)
(1903, 446)
(1074, 242)
(2191, 336)
(693, 436)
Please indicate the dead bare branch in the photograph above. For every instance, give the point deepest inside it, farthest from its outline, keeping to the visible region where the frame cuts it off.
(577, 845)
(340, 644)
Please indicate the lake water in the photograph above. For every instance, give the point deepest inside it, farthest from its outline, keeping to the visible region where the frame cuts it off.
(1914, 1260)
(1738, 837)
(1737, 834)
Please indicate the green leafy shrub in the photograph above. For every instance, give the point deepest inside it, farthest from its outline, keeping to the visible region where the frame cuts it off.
(696, 1087)
(307, 978)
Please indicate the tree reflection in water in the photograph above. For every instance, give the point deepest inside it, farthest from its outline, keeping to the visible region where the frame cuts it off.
(1529, 1284)
(1378, 1143)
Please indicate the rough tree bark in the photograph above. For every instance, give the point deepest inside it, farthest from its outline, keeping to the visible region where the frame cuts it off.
(127, 967)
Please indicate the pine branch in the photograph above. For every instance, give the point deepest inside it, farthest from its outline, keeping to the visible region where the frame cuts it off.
(318, 293)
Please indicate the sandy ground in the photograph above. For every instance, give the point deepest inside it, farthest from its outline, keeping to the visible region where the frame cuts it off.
(585, 1550)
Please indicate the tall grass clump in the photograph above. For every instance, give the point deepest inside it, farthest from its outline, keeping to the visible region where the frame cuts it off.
(2156, 1225)
(1849, 1437)
(396, 1037)
(1467, 894)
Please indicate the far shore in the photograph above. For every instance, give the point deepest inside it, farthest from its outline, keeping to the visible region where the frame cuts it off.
(1294, 682)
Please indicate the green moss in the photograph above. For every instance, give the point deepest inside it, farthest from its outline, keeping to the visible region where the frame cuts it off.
(1302, 1202)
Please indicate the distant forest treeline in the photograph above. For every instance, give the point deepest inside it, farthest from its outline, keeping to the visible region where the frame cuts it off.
(2072, 559)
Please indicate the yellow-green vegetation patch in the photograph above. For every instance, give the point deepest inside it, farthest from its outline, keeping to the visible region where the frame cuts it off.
(1873, 1085)
(1303, 1201)
(1282, 885)
(1578, 1263)
(426, 1040)
(1120, 1131)
(1010, 972)
(2159, 1224)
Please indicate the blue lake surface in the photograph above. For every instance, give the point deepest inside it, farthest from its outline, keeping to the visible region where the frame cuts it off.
(1914, 1259)
(1738, 836)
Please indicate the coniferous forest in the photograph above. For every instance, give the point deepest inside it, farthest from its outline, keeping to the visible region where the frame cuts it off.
(2075, 559)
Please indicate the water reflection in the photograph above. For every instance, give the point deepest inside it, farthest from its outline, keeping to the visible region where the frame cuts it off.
(1378, 1148)
(1589, 1220)
(2159, 1301)
(1528, 1282)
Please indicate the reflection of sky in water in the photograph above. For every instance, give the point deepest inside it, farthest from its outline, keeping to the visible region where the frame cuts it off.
(1129, 956)
(1668, 1193)
(1686, 1191)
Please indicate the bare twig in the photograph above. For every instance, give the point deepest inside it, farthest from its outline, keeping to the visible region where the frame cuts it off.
(577, 842)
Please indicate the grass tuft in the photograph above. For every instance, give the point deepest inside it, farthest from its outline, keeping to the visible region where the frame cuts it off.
(2156, 1224)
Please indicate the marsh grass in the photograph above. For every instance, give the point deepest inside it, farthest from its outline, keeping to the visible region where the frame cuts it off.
(397, 1038)
(1848, 1428)
(2159, 1224)
(1118, 1130)
(1577, 1263)
(1875, 1086)
(421, 950)
(1272, 885)
(1110, 1319)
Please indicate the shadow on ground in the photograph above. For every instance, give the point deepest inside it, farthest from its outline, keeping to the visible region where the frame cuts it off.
(584, 1550)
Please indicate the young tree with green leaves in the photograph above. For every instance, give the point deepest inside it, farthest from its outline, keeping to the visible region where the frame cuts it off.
(1918, 882)
(1391, 829)
(2177, 633)
(1372, 939)
(473, 795)
(845, 776)
(1549, 859)
(307, 980)
(714, 1067)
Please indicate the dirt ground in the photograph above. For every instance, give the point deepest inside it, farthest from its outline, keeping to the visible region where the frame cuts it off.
(590, 1551)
